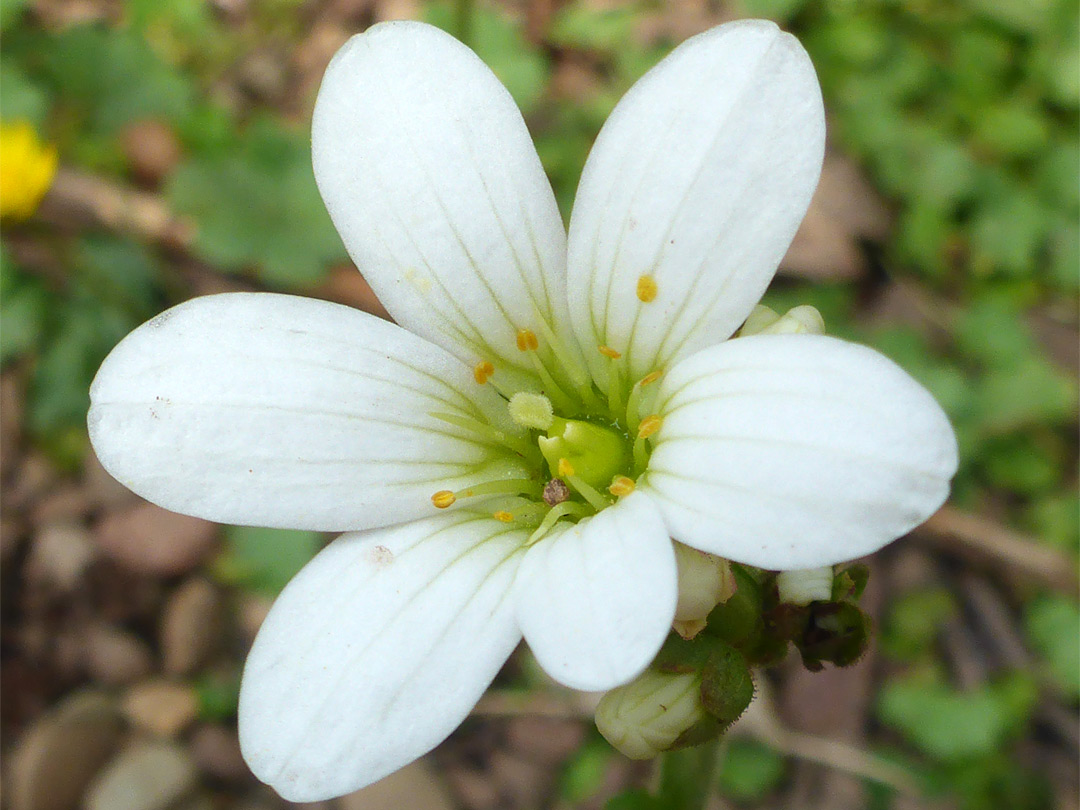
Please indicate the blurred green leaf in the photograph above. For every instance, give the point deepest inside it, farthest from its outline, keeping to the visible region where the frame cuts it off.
(1065, 253)
(113, 77)
(981, 58)
(1053, 626)
(779, 10)
(264, 560)
(10, 11)
(914, 621)
(591, 28)
(1032, 392)
(996, 782)
(218, 694)
(946, 173)
(1057, 175)
(1022, 16)
(20, 97)
(923, 233)
(1012, 128)
(256, 207)
(991, 331)
(583, 775)
(750, 771)
(113, 288)
(1056, 520)
(1007, 234)
(119, 274)
(951, 725)
(1023, 464)
(59, 391)
(24, 306)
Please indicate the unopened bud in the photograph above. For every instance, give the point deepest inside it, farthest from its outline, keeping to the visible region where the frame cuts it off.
(704, 582)
(760, 318)
(647, 716)
(802, 320)
(805, 585)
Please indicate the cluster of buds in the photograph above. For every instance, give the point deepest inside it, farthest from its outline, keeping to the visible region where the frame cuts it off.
(701, 681)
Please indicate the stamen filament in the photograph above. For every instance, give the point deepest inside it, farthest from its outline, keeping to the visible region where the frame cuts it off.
(614, 387)
(595, 499)
(528, 512)
(633, 402)
(551, 388)
(488, 432)
(564, 509)
(641, 456)
(569, 361)
(503, 486)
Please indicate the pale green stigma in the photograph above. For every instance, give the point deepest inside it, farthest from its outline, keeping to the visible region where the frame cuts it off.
(531, 410)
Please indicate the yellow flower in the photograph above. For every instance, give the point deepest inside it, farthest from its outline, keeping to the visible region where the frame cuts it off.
(27, 168)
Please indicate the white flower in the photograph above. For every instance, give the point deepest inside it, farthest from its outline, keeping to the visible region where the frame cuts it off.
(781, 451)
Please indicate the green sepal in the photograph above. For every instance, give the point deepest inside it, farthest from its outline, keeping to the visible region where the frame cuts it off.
(703, 731)
(849, 584)
(727, 687)
(679, 655)
(738, 620)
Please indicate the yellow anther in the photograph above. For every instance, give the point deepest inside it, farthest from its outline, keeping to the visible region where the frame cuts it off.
(526, 340)
(651, 377)
(646, 288)
(503, 516)
(649, 425)
(566, 469)
(443, 498)
(482, 371)
(607, 351)
(621, 485)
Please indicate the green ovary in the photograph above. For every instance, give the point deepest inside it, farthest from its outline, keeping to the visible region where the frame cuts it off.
(596, 454)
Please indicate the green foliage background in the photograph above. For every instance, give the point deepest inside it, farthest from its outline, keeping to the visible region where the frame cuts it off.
(963, 112)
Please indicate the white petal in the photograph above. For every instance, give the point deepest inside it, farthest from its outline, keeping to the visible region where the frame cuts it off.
(596, 599)
(796, 451)
(282, 411)
(376, 651)
(432, 180)
(699, 179)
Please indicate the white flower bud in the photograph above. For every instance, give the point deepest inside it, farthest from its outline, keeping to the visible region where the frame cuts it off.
(805, 586)
(802, 320)
(704, 582)
(646, 716)
(760, 318)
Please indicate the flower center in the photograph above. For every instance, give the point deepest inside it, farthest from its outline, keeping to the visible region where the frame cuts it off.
(587, 442)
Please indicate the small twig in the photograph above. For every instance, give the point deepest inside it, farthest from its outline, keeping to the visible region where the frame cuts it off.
(984, 541)
(761, 723)
(83, 196)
